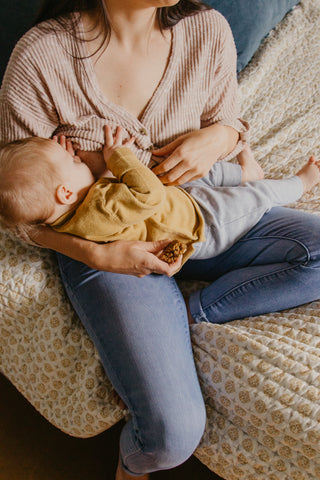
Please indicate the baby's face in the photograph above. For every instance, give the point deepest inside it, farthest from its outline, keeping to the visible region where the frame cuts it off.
(73, 171)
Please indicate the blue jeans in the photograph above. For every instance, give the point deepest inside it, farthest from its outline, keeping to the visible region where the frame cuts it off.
(140, 328)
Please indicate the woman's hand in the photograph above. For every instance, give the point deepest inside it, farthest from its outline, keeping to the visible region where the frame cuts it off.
(128, 257)
(133, 258)
(192, 155)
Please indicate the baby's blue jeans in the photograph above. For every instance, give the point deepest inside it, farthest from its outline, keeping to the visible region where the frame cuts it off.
(140, 327)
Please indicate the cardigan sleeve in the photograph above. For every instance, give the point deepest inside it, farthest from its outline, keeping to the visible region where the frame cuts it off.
(143, 193)
(222, 104)
(25, 105)
(26, 108)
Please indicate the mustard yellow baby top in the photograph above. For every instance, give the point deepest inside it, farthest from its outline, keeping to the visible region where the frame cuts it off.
(134, 205)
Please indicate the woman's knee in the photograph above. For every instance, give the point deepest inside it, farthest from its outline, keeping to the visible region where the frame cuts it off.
(177, 436)
(308, 249)
(297, 233)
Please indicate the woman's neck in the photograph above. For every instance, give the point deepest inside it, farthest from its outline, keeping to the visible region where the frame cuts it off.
(130, 69)
(132, 23)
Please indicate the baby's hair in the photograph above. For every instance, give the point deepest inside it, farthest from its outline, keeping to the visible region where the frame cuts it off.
(28, 181)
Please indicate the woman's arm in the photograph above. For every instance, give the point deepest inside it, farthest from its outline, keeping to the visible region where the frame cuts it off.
(192, 155)
(127, 257)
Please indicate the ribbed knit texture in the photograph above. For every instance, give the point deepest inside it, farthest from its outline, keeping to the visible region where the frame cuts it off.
(48, 90)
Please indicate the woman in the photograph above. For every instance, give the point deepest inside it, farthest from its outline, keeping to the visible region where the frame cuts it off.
(165, 71)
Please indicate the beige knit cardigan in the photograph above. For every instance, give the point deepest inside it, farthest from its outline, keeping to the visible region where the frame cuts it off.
(48, 89)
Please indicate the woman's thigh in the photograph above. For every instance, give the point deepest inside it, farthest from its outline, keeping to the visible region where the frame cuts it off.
(140, 329)
(273, 267)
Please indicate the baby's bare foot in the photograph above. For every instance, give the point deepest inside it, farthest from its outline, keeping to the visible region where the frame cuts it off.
(310, 174)
(251, 169)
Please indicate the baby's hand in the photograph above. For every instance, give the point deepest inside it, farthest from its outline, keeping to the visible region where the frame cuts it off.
(65, 143)
(114, 141)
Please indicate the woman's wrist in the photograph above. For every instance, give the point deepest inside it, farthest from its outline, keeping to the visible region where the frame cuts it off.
(227, 138)
(77, 248)
(94, 255)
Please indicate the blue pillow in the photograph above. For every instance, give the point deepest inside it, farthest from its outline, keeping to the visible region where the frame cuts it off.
(251, 21)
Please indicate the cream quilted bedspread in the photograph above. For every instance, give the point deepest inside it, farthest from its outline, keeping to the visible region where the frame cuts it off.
(260, 376)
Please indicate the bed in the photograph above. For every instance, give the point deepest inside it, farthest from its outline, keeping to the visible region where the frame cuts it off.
(260, 376)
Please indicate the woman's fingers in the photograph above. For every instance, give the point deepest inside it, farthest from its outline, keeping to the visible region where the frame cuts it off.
(181, 173)
(162, 268)
(61, 139)
(153, 264)
(136, 258)
(156, 246)
(149, 261)
(167, 149)
(167, 165)
(159, 266)
(171, 178)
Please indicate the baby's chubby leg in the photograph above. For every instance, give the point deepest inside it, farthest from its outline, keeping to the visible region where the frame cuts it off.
(230, 212)
(251, 170)
(286, 190)
(227, 174)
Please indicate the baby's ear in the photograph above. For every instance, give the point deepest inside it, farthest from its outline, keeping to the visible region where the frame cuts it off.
(65, 195)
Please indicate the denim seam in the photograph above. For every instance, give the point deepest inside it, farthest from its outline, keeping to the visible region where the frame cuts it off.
(250, 281)
(184, 311)
(226, 294)
(305, 248)
(128, 458)
(195, 304)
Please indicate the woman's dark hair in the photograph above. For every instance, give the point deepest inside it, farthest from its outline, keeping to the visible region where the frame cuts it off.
(167, 16)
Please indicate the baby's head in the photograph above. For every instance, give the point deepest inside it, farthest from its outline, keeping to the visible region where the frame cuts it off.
(39, 181)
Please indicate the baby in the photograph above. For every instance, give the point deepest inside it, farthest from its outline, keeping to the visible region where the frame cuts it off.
(43, 182)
